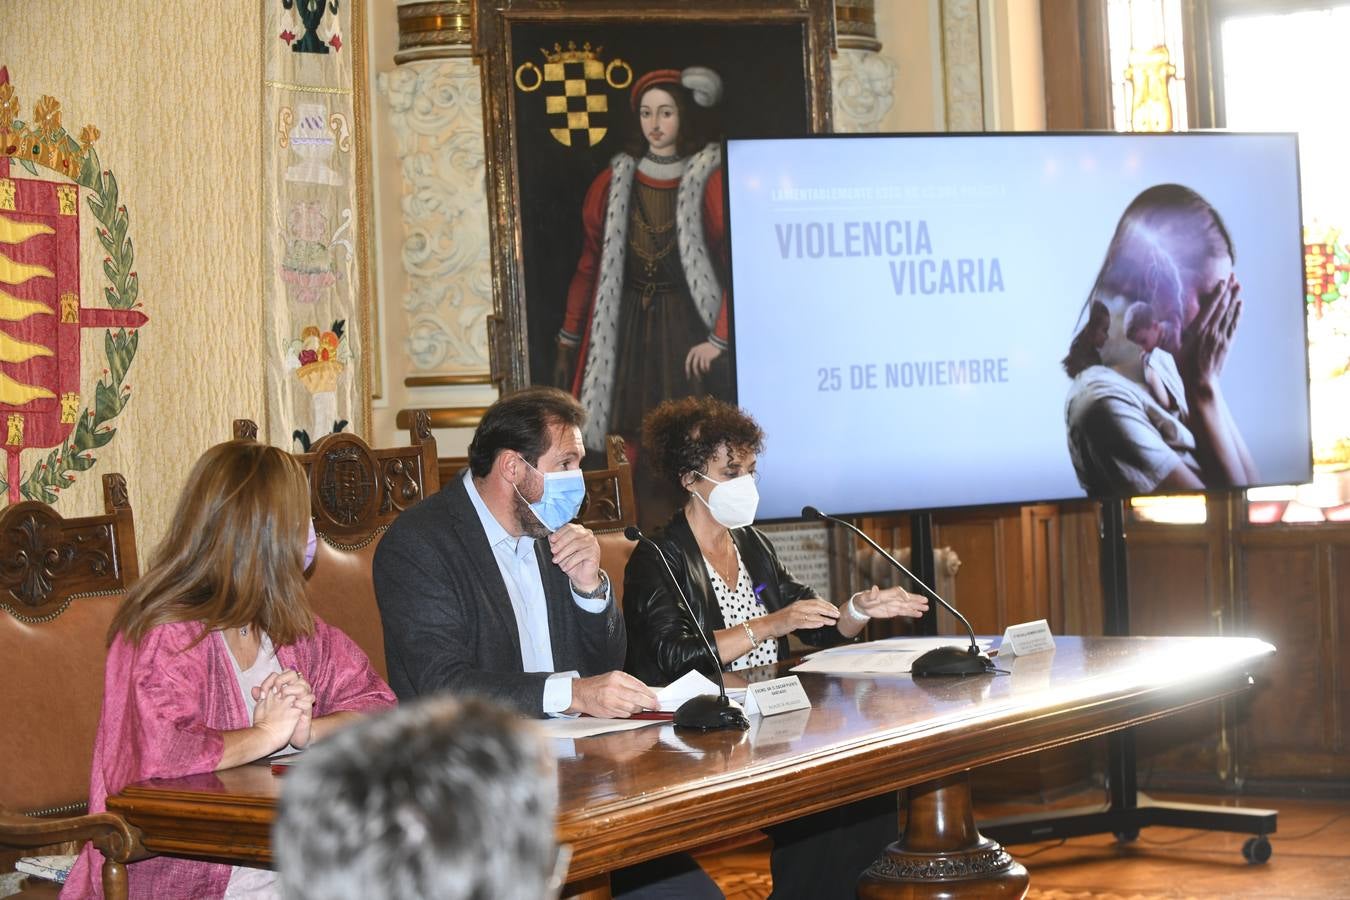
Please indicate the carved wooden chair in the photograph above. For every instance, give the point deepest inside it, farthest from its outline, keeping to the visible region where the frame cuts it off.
(608, 508)
(61, 581)
(355, 493)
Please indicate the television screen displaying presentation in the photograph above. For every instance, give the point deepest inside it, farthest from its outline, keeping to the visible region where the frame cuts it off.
(926, 322)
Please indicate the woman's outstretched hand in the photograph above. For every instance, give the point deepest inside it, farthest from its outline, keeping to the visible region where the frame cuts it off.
(887, 603)
(812, 612)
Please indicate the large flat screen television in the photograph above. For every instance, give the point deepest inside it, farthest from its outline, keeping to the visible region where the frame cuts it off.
(926, 322)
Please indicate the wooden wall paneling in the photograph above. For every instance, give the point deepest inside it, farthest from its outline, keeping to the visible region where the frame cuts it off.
(989, 543)
(1042, 574)
(1340, 627)
(1204, 66)
(1074, 59)
(1063, 65)
(1179, 586)
(1080, 568)
(1294, 581)
(1170, 581)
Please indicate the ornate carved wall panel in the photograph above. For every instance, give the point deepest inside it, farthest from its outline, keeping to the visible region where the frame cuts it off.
(436, 115)
(864, 89)
(863, 79)
(962, 65)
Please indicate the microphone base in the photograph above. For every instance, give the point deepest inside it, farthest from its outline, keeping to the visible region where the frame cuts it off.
(943, 661)
(710, 712)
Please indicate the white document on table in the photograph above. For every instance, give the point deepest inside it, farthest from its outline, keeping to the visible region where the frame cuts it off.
(874, 663)
(890, 656)
(914, 645)
(691, 684)
(587, 726)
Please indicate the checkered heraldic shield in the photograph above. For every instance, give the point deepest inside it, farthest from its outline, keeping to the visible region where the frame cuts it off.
(574, 83)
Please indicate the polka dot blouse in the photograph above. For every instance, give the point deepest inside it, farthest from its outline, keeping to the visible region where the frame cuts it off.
(739, 604)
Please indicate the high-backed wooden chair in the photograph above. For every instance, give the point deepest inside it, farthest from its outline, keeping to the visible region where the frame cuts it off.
(355, 492)
(608, 508)
(61, 580)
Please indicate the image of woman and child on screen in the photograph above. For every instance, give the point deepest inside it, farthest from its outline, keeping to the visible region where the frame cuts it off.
(1145, 412)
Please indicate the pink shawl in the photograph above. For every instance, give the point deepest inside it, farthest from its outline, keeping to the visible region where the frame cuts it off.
(165, 705)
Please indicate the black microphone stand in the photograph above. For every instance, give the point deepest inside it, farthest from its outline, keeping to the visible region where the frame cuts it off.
(704, 712)
(940, 660)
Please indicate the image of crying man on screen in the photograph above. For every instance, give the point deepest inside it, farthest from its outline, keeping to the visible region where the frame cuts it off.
(1145, 411)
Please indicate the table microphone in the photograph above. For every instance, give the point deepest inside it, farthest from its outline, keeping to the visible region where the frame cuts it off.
(704, 712)
(940, 660)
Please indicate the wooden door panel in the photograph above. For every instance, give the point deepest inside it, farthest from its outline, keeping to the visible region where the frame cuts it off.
(1170, 589)
(1294, 598)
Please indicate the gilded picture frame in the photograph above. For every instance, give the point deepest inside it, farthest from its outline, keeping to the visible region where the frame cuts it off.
(773, 61)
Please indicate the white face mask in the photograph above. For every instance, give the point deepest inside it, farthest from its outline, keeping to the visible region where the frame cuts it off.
(732, 503)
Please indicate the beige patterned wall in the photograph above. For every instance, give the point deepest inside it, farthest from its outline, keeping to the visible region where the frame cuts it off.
(176, 98)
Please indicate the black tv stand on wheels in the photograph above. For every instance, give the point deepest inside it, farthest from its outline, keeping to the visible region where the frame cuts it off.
(1127, 811)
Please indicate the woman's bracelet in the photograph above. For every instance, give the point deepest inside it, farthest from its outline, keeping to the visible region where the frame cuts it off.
(749, 632)
(851, 610)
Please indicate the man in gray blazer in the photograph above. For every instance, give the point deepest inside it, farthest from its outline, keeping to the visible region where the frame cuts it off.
(485, 588)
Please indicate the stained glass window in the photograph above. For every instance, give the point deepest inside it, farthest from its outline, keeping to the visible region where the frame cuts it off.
(1287, 72)
(1148, 65)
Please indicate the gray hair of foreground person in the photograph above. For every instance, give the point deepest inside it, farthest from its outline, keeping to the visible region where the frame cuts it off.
(441, 798)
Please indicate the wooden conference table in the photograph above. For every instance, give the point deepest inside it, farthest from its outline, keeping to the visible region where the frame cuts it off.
(635, 795)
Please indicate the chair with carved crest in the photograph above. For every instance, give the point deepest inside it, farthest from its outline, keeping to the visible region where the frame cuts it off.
(355, 493)
(61, 581)
(608, 508)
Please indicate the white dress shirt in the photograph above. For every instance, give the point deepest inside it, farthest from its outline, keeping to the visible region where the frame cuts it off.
(525, 586)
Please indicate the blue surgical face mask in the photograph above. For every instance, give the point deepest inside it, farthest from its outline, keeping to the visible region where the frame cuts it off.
(311, 547)
(563, 493)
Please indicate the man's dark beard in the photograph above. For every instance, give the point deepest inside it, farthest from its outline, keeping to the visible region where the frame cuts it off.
(529, 523)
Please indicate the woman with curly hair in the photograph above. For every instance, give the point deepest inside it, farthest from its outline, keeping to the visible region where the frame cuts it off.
(745, 600)
(747, 603)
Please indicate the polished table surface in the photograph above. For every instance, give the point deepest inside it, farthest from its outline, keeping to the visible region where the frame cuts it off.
(634, 795)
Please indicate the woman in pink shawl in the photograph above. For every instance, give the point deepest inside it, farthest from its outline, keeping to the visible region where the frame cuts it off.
(216, 660)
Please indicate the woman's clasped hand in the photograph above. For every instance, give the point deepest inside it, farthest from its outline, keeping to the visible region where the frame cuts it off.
(285, 709)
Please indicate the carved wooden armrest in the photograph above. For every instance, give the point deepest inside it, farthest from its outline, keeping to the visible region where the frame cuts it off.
(109, 832)
(119, 842)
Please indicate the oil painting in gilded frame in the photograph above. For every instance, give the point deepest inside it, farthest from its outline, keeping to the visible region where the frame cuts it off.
(576, 247)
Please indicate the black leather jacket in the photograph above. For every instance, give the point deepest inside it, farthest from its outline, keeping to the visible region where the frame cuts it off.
(662, 643)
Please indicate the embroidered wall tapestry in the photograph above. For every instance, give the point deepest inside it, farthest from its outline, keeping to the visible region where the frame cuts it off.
(49, 181)
(314, 176)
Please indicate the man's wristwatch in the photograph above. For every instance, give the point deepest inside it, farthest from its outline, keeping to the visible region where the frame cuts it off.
(600, 591)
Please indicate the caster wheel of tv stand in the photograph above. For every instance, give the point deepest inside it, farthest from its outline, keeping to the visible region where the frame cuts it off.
(1256, 850)
(1127, 837)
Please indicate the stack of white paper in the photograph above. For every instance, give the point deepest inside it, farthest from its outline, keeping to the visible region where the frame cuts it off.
(890, 656)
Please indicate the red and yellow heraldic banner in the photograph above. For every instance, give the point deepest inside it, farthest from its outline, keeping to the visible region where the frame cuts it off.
(41, 310)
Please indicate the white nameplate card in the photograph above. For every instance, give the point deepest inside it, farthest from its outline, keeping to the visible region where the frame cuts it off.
(1027, 638)
(768, 698)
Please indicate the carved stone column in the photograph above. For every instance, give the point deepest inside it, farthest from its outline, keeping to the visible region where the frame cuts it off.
(864, 80)
(436, 115)
(963, 65)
